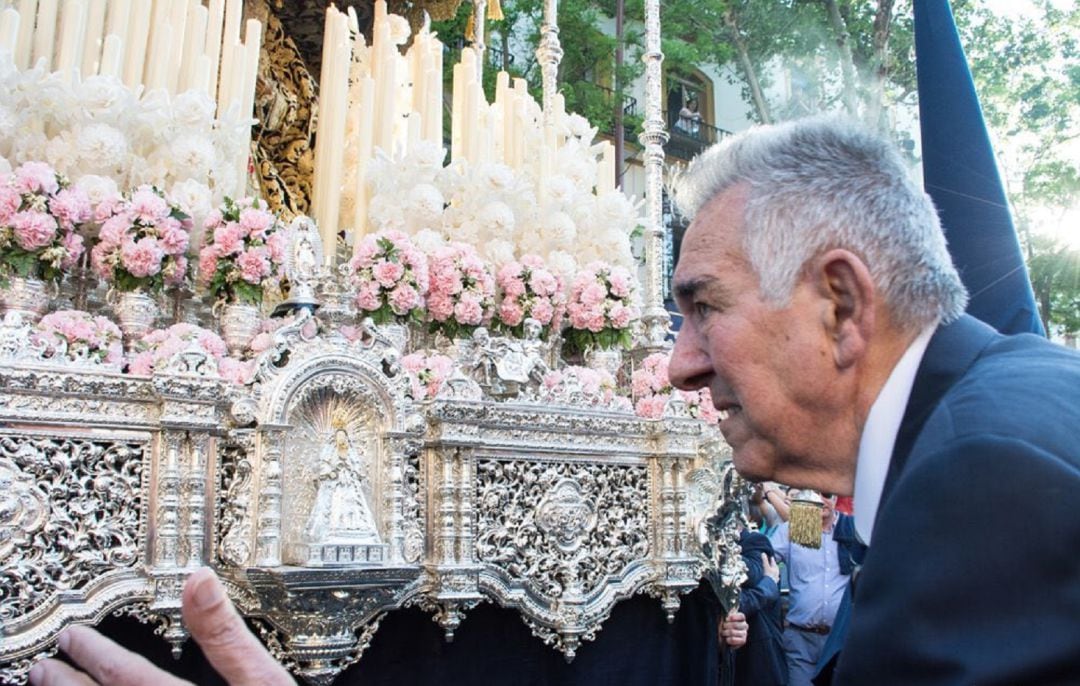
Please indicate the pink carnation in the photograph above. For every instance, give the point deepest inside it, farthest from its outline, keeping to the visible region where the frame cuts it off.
(403, 299)
(254, 265)
(142, 258)
(229, 239)
(387, 273)
(33, 230)
(9, 202)
(70, 206)
(147, 205)
(36, 177)
(511, 314)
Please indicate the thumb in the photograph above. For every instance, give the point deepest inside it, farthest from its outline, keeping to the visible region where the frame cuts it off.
(224, 638)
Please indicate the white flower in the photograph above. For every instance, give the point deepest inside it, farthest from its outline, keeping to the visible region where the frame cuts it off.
(561, 190)
(427, 156)
(101, 147)
(385, 213)
(559, 230)
(579, 126)
(563, 264)
(61, 153)
(8, 122)
(53, 100)
(499, 251)
(399, 29)
(97, 188)
(579, 169)
(194, 198)
(467, 232)
(193, 110)
(192, 155)
(428, 240)
(493, 177)
(496, 219)
(424, 204)
(28, 145)
(615, 209)
(105, 97)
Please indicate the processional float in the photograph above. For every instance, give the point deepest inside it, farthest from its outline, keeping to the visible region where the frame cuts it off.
(324, 489)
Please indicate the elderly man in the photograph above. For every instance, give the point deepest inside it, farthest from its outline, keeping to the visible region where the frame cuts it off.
(824, 313)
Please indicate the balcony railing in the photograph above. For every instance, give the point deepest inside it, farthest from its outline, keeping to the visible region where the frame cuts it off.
(690, 136)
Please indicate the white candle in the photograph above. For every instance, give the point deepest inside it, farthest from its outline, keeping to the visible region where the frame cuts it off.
(178, 17)
(137, 42)
(93, 39)
(605, 175)
(159, 47)
(118, 12)
(212, 48)
(457, 112)
(230, 37)
(194, 45)
(25, 40)
(365, 110)
(9, 30)
(339, 86)
(201, 79)
(321, 133)
(111, 56)
(504, 104)
(386, 94)
(72, 27)
(45, 33)
(252, 49)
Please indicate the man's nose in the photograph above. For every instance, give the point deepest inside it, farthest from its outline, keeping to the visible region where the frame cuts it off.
(690, 366)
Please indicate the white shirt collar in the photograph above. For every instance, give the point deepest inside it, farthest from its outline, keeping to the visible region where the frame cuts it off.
(879, 434)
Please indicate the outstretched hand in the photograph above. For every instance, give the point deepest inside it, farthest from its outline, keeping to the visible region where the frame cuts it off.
(215, 625)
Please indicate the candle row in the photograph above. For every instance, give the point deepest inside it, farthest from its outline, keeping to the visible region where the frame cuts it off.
(175, 45)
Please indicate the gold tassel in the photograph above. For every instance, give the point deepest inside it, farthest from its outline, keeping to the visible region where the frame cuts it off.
(470, 28)
(495, 12)
(805, 523)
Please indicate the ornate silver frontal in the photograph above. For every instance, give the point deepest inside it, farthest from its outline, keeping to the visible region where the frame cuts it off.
(326, 498)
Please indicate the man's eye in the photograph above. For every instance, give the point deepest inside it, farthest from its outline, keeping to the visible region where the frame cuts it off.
(702, 309)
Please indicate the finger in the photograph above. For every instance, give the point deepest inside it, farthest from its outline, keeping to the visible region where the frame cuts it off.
(221, 633)
(57, 673)
(735, 616)
(108, 663)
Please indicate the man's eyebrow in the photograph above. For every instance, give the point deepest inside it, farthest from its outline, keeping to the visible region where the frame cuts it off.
(689, 288)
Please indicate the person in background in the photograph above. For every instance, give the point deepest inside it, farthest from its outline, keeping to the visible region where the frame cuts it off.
(690, 118)
(754, 633)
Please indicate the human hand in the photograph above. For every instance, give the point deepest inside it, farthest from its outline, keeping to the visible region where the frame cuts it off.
(769, 566)
(215, 625)
(733, 629)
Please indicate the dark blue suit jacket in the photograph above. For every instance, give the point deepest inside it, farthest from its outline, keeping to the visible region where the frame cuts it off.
(973, 573)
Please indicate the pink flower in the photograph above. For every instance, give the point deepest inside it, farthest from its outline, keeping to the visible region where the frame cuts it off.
(229, 239)
(9, 202)
(440, 306)
(593, 294)
(70, 206)
(175, 270)
(594, 321)
(387, 273)
(367, 297)
(256, 222)
(651, 407)
(114, 229)
(174, 240)
(254, 264)
(510, 313)
(543, 283)
(468, 311)
(107, 207)
(542, 311)
(620, 283)
(208, 258)
(36, 177)
(403, 299)
(213, 220)
(147, 205)
(33, 230)
(620, 316)
(73, 246)
(277, 243)
(142, 258)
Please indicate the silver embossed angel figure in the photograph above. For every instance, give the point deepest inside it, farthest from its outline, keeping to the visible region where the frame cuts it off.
(341, 513)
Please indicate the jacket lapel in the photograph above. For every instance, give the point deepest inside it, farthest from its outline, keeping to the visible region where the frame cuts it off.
(951, 352)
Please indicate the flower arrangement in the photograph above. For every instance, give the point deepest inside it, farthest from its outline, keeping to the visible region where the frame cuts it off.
(142, 245)
(529, 290)
(461, 295)
(391, 277)
(39, 217)
(427, 373)
(161, 345)
(652, 391)
(245, 254)
(79, 335)
(601, 308)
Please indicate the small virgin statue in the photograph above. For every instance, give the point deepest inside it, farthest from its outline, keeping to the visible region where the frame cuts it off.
(341, 513)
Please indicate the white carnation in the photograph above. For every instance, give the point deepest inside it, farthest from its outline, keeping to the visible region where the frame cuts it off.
(563, 264)
(101, 147)
(61, 154)
(54, 101)
(561, 191)
(192, 155)
(559, 230)
(428, 240)
(466, 232)
(8, 122)
(105, 97)
(194, 110)
(496, 219)
(494, 177)
(427, 156)
(399, 29)
(193, 197)
(425, 205)
(499, 251)
(97, 188)
(385, 213)
(580, 127)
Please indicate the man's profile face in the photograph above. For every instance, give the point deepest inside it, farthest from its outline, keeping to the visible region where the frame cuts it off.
(763, 364)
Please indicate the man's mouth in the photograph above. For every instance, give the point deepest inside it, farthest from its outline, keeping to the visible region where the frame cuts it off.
(729, 410)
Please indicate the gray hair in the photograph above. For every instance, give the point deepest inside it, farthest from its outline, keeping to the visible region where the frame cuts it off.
(822, 183)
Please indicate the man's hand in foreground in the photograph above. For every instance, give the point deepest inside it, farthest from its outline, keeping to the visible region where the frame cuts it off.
(215, 625)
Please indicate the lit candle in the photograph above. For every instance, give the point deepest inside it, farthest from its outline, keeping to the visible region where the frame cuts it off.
(137, 42)
(212, 47)
(111, 55)
(9, 30)
(45, 33)
(72, 26)
(25, 40)
(92, 40)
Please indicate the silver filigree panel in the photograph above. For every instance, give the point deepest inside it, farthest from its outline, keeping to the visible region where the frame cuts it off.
(561, 528)
(71, 509)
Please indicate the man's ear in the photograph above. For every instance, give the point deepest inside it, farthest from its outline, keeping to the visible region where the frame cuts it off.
(845, 285)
